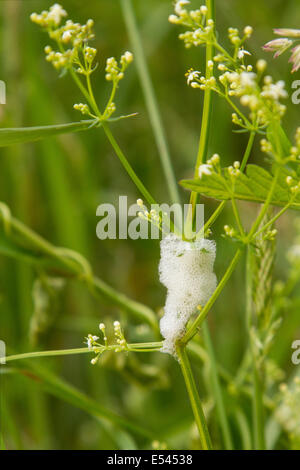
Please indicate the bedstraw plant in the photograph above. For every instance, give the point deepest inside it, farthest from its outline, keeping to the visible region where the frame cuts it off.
(258, 103)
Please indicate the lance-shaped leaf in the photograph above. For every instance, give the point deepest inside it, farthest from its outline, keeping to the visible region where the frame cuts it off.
(253, 186)
(20, 135)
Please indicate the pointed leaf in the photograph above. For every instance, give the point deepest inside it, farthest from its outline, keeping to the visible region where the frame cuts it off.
(20, 135)
(252, 186)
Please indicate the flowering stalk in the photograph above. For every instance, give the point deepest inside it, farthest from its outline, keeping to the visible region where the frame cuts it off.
(134, 347)
(207, 110)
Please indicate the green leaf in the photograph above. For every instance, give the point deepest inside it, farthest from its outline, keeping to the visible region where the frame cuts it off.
(279, 140)
(21, 135)
(252, 186)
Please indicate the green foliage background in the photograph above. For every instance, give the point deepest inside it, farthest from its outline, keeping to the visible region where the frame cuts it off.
(55, 186)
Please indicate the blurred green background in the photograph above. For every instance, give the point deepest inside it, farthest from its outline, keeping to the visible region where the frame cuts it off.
(55, 187)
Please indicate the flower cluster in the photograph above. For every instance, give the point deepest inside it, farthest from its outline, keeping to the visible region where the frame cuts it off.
(201, 28)
(213, 164)
(51, 18)
(262, 99)
(98, 349)
(280, 45)
(151, 216)
(73, 35)
(190, 266)
(114, 73)
(74, 54)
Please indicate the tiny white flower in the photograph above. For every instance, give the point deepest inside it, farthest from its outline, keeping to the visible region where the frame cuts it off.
(179, 6)
(248, 79)
(242, 53)
(205, 169)
(56, 13)
(66, 37)
(193, 75)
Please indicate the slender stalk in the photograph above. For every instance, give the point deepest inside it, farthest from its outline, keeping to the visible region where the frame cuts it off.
(217, 389)
(136, 347)
(127, 165)
(150, 98)
(89, 95)
(248, 150)
(204, 312)
(211, 220)
(257, 394)
(271, 222)
(237, 216)
(207, 104)
(194, 398)
(221, 206)
(206, 116)
(265, 205)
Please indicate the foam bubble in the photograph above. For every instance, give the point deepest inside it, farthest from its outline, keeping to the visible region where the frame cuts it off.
(186, 270)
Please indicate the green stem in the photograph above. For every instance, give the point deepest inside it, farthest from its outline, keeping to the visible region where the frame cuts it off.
(257, 396)
(150, 98)
(137, 347)
(194, 398)
(206, 114)
(204, 312)
(237, 217)
(271, 222)
(248, 150)
(211, 220)
(236, 109)
(91, 100)
(221, 206)
(217, 389)
(127, 165)
(265, 206)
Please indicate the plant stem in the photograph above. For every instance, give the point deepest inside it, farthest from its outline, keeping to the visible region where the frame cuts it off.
(248, 150)
(265, 205)
(217, 389)
(257, 395)
(136, 347)
(204, 312)
(127, 165)
(150, 98)
(206, 112)
(271, 222)
(221, 206)
(194, 398)
(89, 95)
